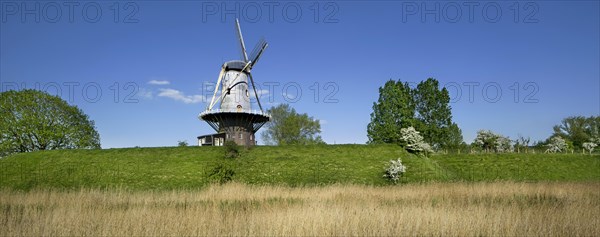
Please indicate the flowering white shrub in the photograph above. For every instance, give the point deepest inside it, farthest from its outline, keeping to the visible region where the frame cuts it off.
(557, 144)
(489, 140)
(394, 170)
(589, 146)
(503, 144)
(485, 139)
(414, 141)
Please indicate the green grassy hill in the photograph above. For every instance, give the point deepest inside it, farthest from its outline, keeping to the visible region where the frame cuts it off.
(191, 167)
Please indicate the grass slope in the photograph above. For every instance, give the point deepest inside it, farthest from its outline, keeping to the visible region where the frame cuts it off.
(190, 167)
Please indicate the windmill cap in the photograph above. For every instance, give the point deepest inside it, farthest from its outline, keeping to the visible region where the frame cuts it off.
(234, 65)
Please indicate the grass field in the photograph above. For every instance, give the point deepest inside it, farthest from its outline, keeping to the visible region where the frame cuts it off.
(432, 209)
(175, 168)
(334, 190)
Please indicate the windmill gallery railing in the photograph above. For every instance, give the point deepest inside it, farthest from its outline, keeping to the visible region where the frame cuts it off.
(212, 111)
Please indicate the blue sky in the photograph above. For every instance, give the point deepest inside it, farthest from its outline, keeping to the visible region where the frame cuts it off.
(143, 70)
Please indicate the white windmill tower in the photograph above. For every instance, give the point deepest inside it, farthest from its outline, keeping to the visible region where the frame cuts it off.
(235, 120)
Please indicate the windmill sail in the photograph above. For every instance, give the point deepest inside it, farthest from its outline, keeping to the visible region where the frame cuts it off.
(241, 39)
(257, 51)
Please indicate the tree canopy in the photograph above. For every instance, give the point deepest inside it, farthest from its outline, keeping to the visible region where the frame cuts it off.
(425, 108)
(32, 120)
(287, 127)
(394, 110)
(434, 116)
(579, 130)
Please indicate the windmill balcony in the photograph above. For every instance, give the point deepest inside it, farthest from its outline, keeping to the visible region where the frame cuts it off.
(214, 111)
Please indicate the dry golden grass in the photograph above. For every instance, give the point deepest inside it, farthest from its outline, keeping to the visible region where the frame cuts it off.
(459, 209)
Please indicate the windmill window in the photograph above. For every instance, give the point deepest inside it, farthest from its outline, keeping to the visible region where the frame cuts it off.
(241, 136)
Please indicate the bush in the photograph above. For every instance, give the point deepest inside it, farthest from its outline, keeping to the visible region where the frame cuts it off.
(503, 144)
(232, 150)
(557, 144)
(182, 143)
(221, 173)
(394, 170)
(413, 141)
(490, 141)
(589, 146)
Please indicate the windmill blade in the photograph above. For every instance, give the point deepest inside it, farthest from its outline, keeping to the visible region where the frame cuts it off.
(258, 50)
(241, 38)
(255, 94)
(212, 101)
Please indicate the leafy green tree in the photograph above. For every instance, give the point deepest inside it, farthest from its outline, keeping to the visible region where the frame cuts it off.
(578, 130)
(432, 110)
(394, 110)
(32, 120)
(593, 128)
(287, 127)
(573, 129)
(426, 108)
(454, 138)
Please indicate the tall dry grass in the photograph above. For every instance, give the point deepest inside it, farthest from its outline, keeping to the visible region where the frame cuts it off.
(498, 209)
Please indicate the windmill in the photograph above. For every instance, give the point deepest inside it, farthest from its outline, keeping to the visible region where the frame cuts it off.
(235, 120)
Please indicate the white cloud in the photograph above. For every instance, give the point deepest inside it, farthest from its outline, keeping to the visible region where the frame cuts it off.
(322, 121)
(159, 82)
(180, 96)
